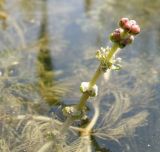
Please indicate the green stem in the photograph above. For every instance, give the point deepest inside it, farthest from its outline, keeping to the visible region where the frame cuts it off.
(112, 52)
(82, 101)
(89, 127)
(85, 96)
(95, 77)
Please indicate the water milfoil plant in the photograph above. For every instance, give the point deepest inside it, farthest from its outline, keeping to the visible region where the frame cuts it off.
(121, 37)
(39, 133)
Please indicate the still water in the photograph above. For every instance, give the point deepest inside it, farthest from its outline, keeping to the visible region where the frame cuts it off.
(47, 48)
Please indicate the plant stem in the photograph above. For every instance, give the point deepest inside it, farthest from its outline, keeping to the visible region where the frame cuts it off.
(89, 127)
(46, 147)
(112, 52)
(82, 101)
(85, 96)
(95, 77)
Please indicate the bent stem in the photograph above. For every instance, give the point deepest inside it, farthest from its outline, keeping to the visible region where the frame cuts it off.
(46, 147)
(87, 130)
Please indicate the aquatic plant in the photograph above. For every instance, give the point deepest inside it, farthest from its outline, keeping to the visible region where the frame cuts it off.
(120, 37)
(33, 132)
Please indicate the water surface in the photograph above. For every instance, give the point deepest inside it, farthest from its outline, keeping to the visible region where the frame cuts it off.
(48, 48)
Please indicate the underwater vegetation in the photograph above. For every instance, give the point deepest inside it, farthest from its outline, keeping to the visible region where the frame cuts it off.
(41, 109)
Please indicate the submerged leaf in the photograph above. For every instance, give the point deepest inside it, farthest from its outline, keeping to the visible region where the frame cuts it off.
(114, 125)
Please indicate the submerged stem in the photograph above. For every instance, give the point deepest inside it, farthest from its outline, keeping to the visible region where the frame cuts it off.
(90, 126)
(46, 147)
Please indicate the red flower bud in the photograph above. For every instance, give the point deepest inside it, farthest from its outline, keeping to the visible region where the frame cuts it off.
(116, 35)
(135, 29)
(127, 27)
(125, 24)
(123, 21)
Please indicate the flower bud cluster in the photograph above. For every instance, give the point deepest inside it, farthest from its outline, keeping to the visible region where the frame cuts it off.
(125, 34)
(71, 111)
(129, 26)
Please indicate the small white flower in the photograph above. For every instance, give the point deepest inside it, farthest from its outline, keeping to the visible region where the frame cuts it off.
(85, 87)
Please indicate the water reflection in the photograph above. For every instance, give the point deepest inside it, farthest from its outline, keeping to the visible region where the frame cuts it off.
(98, 147)
(29, 8)
(50, 91)
(3, 14)
(87, 5)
